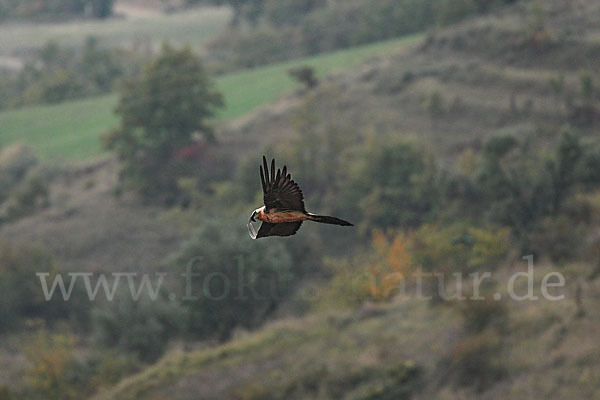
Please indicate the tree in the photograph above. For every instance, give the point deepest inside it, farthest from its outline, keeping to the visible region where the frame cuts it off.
(162, 113)
(102, 8)
(21, 297)
(249, 10)
(397, 185)
(235, 282)
(304, 75)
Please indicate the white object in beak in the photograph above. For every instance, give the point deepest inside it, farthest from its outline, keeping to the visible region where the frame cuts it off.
(251, 230)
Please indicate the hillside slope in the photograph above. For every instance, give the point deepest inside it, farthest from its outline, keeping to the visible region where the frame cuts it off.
(488, 75)
(484, 77)
(407, 348)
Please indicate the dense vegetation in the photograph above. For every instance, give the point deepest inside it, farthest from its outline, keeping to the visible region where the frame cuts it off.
(160, 114)
(56, 74)
(281, 30)
(61, 9)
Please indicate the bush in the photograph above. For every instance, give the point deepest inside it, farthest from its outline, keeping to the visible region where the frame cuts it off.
(239, 282)
(237, 49)
(56, 74)
(394, 381)
(15, 163)
(305, 75)
(57, 9)
(477, 361)
(459, 248)
(30, 196)
(479, 315)
(389, 265)
(142, 326)
(290, 12)
(396, 185)
(54, 373)
(294, 28)
(110, 366)
(21, 296)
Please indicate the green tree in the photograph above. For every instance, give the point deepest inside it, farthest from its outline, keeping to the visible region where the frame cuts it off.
(21, 296)
(398, 184)
(53, 371)
(304, 75)
(162, 113)
(284, 12)
(102, 8)
(236, 282)
(142, 326)
(564, 169)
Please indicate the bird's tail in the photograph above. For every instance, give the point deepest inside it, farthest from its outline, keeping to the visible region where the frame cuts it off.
(329, 220)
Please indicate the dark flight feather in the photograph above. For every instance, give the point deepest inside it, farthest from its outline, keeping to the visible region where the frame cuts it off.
(280, 191)
(281, 229)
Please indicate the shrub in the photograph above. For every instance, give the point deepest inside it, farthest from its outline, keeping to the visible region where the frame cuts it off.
(142, 326)
(15, 163)
(398, 184)
(30, 196)
(434, 104)
(458, 247)
(305, 75)
(348, 286)
(56, 73)
(21, 296)
(389, 265)
(400, 382)
(477, 361)
(54, 372)
(110, 366)
(290, 12)
(295, 28)
(238, 282)
(377, 275)
(58, 9)
(479, 315)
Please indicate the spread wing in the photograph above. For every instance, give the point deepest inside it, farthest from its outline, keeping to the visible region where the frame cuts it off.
(280, 191)
(281, 229)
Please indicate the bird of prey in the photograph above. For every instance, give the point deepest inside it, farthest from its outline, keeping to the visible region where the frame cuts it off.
(284, 211)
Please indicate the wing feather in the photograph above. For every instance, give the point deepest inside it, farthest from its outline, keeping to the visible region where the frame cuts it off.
(266, 172)
(280, 191)
(262, 179)
(273, 172)
(281, 229)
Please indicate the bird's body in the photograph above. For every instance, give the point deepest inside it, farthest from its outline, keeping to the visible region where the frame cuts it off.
(284, 211)
(276, 216)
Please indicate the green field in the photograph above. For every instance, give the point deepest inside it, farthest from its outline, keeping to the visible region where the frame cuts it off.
(69, 131)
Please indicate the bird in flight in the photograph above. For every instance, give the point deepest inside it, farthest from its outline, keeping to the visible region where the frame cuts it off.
(284, 211)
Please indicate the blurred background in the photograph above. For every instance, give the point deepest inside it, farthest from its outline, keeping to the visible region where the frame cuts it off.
(457, 135)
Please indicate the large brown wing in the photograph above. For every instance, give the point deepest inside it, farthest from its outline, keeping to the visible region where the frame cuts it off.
(280, 191)
(281, 229)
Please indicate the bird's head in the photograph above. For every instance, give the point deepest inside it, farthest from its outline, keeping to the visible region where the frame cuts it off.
(257, 213)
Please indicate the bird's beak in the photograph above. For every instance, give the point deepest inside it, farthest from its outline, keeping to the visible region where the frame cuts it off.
(252, 216)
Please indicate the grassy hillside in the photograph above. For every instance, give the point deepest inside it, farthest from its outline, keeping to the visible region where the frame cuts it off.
(70, 130)
(408, 347)
(479, 78)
